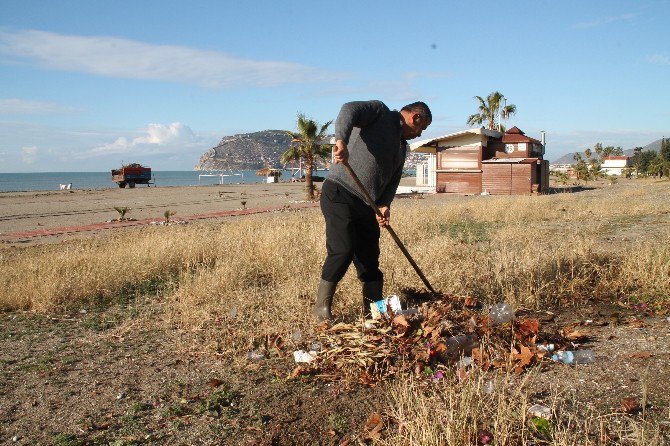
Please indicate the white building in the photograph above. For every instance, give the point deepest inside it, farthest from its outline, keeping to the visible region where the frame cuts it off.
(614, 165)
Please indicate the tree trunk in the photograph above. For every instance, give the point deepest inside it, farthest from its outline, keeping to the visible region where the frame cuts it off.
(309, 184)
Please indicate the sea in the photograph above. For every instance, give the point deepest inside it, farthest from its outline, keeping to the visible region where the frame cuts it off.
(42, 181)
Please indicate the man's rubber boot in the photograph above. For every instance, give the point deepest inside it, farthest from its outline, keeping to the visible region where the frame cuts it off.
(372, 292)
(324, 299)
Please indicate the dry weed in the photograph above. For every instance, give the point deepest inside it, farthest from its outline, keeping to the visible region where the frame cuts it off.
(458, 413)
(261, 271)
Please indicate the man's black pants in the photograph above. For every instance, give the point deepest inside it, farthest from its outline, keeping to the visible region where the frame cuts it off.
(352, 234)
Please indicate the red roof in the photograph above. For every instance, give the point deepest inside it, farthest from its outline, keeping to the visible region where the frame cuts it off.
(515, 134)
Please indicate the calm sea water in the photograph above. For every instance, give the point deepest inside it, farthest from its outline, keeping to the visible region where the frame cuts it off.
(103, 180)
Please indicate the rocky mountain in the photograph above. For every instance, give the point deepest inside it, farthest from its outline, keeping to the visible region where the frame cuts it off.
(251, 151)
(246, 151)
(568, 159)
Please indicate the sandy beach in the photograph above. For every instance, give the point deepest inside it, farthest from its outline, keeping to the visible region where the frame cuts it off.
(39, 210)
(31, 211)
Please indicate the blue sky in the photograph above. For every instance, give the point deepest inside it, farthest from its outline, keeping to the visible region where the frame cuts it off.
(85, 85)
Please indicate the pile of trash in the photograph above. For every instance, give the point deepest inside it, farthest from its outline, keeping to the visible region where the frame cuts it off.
(442, 336)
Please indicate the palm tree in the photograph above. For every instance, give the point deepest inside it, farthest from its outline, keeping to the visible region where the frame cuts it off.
(489, 110)
(307, 145)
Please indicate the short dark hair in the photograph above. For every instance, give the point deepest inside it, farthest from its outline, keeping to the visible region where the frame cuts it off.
(421, 108)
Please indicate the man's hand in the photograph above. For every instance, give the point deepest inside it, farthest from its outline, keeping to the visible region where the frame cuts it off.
(386, 213)
(341, 153)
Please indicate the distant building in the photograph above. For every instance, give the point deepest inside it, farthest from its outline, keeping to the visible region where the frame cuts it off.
(614, 165)
(479, 161)
(565, 168)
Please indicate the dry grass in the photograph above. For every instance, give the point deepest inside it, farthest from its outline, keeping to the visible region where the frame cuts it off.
(453, 413)
(527, 250)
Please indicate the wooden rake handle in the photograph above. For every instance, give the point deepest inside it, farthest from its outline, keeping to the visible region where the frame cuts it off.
(390, 230)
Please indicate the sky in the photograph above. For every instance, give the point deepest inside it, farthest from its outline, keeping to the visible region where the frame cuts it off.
(86, 85)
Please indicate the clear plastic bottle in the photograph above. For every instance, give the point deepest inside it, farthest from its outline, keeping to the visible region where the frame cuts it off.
(584, 356)
(575, 357)
(460, 345)
(566, 357)
(501, 313)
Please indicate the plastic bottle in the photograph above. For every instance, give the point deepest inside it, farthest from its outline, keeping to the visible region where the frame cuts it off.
(584, 356)
(501, 313)
(460, 345)
(566, 357)
(575, 357)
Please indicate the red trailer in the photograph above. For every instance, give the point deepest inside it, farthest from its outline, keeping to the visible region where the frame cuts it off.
(132, 174)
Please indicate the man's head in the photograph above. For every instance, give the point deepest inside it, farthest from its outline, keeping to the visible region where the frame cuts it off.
(416, 118)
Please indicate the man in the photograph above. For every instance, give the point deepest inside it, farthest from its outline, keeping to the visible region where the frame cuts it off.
(373, 140)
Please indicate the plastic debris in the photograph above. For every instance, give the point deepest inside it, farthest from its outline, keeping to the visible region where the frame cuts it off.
(380, 307)
(489, 387)
(460, 345)
(540, 411)
(255, 355)
(296, 336)
(501, 313)
(584, 356)
(301, 356)
(546, 348)
(566, 357)
(575, 357)
(464, 362)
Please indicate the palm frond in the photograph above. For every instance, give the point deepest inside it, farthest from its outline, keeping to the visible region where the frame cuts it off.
(475, 119)
(324, 127)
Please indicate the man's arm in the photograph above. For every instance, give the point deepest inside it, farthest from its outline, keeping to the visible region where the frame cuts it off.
(357, 114)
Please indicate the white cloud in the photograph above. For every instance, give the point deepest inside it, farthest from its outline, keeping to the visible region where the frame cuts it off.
(156, 139)
(162, 146)
(29, 154)
(660, 59)
(25, 107)
(604, 21)
(124, 58)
